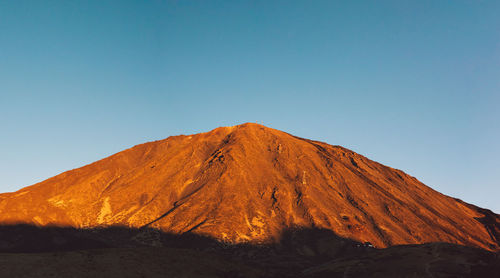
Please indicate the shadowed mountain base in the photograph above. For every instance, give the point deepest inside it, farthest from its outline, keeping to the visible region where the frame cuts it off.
(30, 251)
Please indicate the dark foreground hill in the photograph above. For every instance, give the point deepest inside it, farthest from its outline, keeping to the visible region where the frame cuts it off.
(29, 251)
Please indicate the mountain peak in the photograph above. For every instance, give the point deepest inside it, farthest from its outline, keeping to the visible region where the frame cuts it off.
(243, 128)
(248, 183)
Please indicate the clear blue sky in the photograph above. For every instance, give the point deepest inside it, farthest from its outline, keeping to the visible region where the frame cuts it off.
(412, 84)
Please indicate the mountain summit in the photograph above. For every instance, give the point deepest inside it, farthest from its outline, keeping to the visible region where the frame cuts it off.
(249, 183)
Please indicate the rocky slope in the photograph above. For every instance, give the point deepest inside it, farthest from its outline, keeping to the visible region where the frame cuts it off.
(248, 183)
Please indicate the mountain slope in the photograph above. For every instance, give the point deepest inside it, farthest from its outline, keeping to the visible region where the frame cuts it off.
(249, 183)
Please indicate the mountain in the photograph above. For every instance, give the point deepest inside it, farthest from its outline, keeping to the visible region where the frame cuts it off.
(248, 184)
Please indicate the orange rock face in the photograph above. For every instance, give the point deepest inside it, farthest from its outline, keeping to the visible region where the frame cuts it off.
(248, 183)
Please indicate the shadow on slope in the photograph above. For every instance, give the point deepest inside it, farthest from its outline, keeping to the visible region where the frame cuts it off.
(109, 252)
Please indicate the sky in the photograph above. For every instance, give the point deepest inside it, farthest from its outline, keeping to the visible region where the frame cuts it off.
(414, 85)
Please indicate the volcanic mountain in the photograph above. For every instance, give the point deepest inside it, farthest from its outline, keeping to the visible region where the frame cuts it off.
(249, 183)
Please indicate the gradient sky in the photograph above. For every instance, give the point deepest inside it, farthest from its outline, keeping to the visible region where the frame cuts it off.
(411, 84)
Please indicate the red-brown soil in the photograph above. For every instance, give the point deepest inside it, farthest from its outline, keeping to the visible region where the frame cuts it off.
(248, 183)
